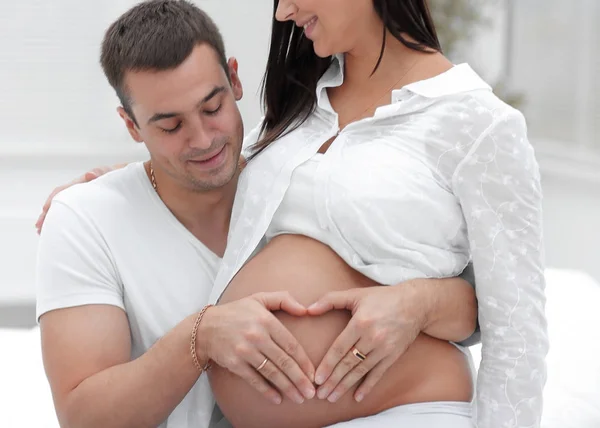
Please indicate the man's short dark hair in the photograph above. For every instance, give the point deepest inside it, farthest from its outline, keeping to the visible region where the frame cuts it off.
(156, 35)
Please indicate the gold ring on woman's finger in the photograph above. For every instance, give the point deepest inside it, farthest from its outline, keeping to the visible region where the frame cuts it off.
(264, 363)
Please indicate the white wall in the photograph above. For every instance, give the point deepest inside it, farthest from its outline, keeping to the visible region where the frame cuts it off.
(571, 211)
(560, 88)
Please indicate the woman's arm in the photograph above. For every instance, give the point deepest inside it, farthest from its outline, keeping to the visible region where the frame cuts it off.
(498, 185)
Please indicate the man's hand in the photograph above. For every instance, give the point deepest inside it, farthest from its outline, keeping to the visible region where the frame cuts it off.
(385, 322)
(241, 335)
(382, 327)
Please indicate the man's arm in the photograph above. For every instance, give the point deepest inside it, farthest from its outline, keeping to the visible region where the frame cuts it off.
(450, 306)
(469, 275)
(94, 384)
(86, 340)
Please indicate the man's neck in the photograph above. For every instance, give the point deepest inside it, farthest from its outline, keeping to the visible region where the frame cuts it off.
(205, 214)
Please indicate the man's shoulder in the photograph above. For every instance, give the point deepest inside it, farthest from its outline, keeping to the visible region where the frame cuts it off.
(111, 192)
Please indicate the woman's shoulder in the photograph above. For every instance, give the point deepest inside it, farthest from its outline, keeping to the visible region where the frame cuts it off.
(463, 118)
(455, 126)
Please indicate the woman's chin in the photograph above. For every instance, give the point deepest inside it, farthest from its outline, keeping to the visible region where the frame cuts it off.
(322, 51)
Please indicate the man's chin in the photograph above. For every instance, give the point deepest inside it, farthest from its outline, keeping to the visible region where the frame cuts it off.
(217, 180)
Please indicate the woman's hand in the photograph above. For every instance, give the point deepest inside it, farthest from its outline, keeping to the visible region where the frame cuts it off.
(385, 321)
(248, 340)
(88, 176)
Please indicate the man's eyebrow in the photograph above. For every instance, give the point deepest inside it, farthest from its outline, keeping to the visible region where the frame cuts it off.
(159, 116)
(216, 90)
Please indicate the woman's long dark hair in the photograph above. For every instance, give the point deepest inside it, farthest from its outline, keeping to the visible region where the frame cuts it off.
(293, 69)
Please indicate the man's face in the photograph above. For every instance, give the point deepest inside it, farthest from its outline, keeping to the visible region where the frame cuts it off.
(189, 120)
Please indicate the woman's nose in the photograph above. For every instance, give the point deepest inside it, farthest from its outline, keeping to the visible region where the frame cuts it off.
(286, 9)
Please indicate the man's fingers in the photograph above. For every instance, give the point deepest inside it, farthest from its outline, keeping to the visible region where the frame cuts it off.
(291, 369)
(299, 368)
(276, 377)
(358, 369)
(339, 372)
(374, 376)
(338, 350)
(333, 300)
(258, 382)
(282, 301)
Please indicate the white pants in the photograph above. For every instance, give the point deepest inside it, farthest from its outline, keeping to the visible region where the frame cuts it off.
(443, 414)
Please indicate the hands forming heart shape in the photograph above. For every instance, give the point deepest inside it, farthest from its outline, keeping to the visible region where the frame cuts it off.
(247, 339)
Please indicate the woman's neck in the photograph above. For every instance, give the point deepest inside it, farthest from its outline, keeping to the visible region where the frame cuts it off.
(361, 60)
(397, 59)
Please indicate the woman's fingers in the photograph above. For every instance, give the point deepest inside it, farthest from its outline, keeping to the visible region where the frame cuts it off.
(88, 176)
(40, 221)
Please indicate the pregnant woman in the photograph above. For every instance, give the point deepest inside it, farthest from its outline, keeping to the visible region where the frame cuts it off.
(395, 164)
(378, 161)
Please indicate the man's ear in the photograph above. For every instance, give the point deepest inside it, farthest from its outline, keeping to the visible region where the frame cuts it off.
(130, 124)
(236, 83)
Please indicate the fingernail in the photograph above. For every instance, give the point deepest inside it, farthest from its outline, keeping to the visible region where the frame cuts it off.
(322, 393)
(359, 397)
(277, 399)
(309, 392)
(333, 397)
(298, 398)
(319, 379)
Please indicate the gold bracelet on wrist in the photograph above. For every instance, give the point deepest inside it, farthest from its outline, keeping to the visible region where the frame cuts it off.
(193, 342)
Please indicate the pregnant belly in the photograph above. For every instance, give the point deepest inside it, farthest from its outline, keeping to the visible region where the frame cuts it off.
(430, 370)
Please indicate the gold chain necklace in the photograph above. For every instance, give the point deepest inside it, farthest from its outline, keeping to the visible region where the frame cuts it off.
(377, 100)
(153, 178)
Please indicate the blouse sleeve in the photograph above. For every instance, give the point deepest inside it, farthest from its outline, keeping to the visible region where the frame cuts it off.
(498, 185)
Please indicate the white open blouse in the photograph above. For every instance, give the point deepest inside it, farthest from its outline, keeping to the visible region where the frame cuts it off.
(442, 176)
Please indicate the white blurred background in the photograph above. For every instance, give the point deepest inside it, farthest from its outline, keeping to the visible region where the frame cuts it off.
(58, 119)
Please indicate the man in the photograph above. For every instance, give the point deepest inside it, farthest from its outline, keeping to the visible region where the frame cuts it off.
(126, 262)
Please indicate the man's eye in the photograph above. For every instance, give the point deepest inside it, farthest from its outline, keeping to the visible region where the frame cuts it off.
(172, 130)
(213, 112)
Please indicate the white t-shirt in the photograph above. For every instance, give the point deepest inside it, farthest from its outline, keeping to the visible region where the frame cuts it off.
(112, 241)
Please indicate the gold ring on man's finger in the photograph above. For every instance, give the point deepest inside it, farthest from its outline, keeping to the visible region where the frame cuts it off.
(264, 363)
